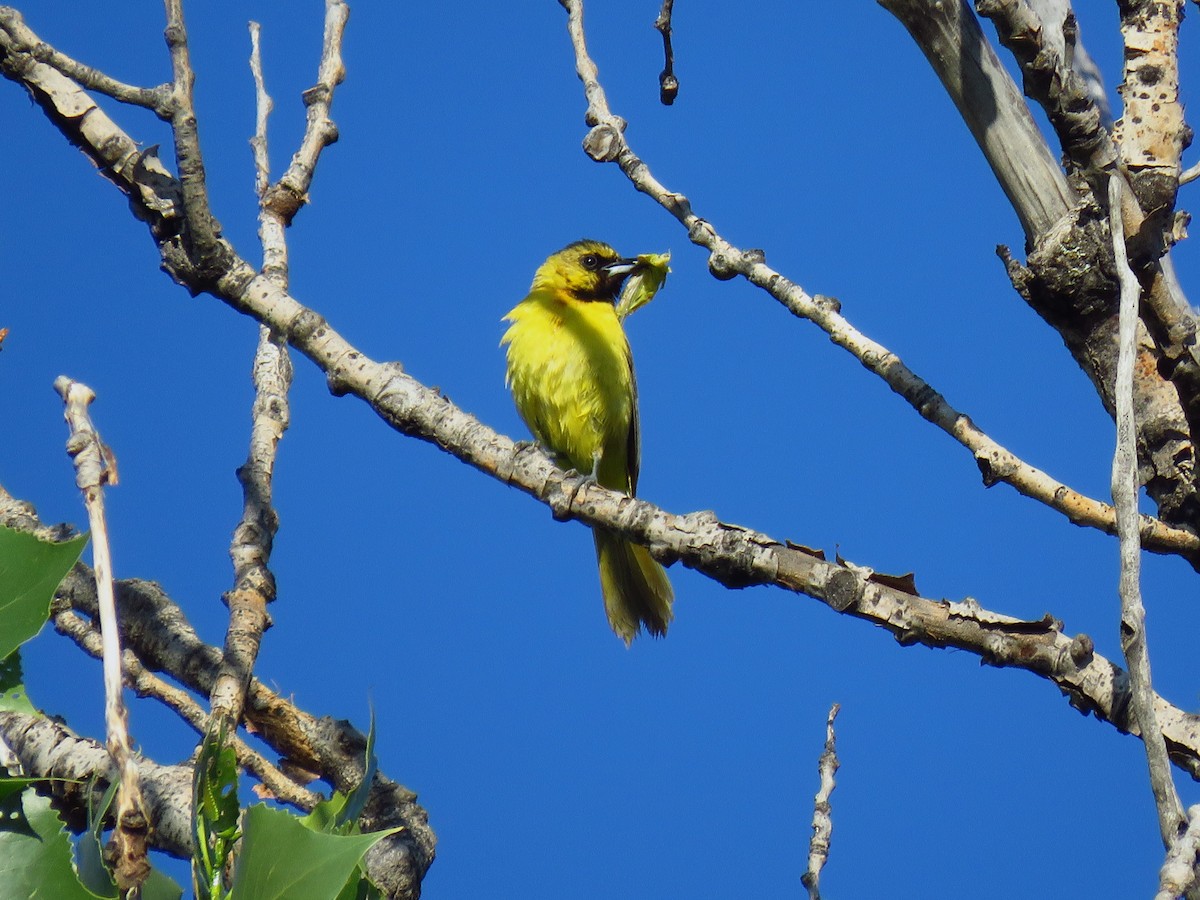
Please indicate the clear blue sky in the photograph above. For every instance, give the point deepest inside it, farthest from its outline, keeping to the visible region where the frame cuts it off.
(553, 761)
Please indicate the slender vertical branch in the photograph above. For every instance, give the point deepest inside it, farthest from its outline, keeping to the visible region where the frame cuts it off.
(254, 536)
(1125, 489)
(822, 822)
(254, 584)
(94, 468)
(203, 232)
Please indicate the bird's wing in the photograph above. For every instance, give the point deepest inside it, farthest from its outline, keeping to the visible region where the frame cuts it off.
(634, 445)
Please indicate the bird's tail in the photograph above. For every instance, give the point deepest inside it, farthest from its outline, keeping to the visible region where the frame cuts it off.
(636, 589)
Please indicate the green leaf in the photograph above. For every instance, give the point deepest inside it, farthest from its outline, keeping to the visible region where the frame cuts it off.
(281, 859)
(30, 570)
(358, 797)
(39, 867)
(339, 814)
(326, 815)
(12, 686)
(215, 801)
(360, 888)
(160, 887)
(89, 859)
(12, 810)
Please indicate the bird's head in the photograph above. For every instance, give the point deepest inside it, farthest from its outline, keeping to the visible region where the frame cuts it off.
(586, 270)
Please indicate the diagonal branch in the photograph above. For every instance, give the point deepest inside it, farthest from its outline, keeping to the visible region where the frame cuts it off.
(79, 771)
(992, 108)
(156, 99)
(1062, 92)
(286, 196)
(1070, 279)
(606, 142)
(147, 684)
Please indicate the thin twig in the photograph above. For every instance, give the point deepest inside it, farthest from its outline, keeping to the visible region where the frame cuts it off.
(668, 84)
(1190, 174)
(1178, 873)
(254, 584)
(263, 106)
(291, 192)
(606, 143)
(822, 821)
(146, 684)
(156, 99)
(94, 468)
(1125, 491)
(253, 538)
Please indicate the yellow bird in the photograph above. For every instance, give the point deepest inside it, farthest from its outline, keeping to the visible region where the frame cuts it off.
(571, 374)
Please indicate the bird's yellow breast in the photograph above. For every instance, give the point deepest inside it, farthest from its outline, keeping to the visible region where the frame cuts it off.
(571, 375)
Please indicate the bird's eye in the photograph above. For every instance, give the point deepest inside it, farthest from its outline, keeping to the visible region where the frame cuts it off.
(591, 262)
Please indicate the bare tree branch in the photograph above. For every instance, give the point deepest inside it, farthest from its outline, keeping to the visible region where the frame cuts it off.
(822, 824)
(1151, 132)
(730, 554)
(202, 243)
(606, 143)
(94, 468)
(156, 99)
(1061, 91)
(1079, 300)
(254, 584)
(992, 108)
(1061, 32)
(286, 197)
(668, 84)
(147, 684)
(253, 538)
(47, 749)
(155, 630)
(153, 192)
(1125, 490)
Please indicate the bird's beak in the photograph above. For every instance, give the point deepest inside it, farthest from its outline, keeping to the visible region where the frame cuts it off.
(616, 272)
